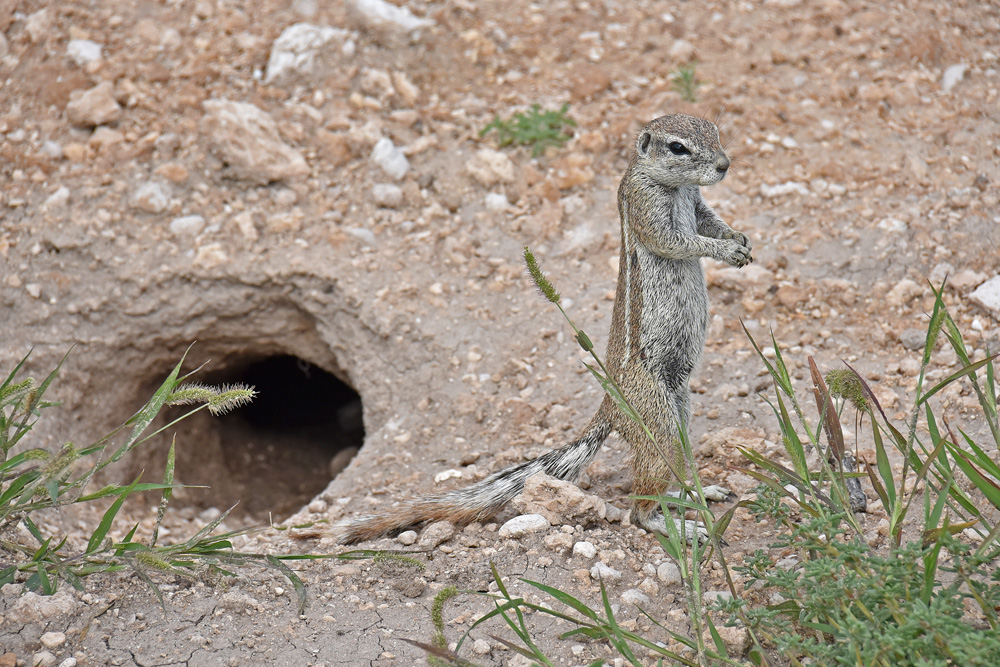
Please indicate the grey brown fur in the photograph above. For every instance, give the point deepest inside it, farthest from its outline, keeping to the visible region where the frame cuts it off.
(657, 331)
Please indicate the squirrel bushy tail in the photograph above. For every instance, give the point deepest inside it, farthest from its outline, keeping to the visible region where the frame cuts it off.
(483, 499)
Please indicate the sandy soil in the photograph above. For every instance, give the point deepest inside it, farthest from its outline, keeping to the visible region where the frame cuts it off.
(135, 221)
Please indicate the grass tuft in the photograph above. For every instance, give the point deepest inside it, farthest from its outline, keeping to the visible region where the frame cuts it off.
(535, 128)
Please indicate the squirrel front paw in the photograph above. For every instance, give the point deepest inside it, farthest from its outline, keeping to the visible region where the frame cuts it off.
(739, 237)
(735, 253)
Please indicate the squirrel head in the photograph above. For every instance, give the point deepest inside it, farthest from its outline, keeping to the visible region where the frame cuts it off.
(681, 150)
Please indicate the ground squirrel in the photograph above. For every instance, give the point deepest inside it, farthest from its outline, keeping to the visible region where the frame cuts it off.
(657, 330)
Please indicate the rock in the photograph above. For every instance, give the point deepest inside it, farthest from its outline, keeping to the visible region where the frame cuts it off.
(558, 542)
(68, 662)
(736, 639)
(681, 51)
(51, 149)
(668, 573)
(390, 159)
(43, 659)
(781, 189)
(381, 17)
(407, 537)
(435, 534)
(38, 25)
(635, 597)
(387, 195)
(496, 202)
(584, 549)
(523, 525)
(296, 51)
(711, 596)
(246, 138)
(913, 339)
(53, 639)
(751, 278)
(83, 51)
(903, 293)
(366, 236)
(57, 199)
(558, 501)
(34, 608)
(96, 106)
(105, 137)
(172, 171)
(952, 76)
(150, 197)
(605, 572)
(490, 167)
(188, 225)
(987, 296)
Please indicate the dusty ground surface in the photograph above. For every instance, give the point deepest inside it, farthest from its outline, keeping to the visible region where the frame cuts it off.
(864, 166)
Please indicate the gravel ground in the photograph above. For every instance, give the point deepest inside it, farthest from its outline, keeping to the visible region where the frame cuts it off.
(307, 180)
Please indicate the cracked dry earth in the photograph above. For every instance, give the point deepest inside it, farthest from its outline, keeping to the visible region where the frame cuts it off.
(213, 171)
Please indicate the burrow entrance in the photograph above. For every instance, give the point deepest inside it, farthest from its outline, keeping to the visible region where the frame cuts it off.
(275, 454)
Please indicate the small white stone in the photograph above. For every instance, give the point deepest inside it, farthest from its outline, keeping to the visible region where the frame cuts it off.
(296, 50)
(668, 573)
(51, 149)
(606, 572)
(481, 647)
(787, 188)
(83, 51)
(34, 290)
(53, 639)
(366, 236)
(635, 597)
(278, 590)
(318, 506)
(188, 225)
(445, 475)
(789, 142)
(584, 549)
(523, 525)
(380, 14)
(952, 76)
(390, 159)
(496, 202)
(151, 197)
(711, 596)
(57, 199)
(387, 195)
(43, 659)
(407, 537)
(987, 295)
(69, 662)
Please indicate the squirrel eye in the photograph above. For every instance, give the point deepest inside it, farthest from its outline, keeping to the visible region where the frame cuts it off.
(677, 148)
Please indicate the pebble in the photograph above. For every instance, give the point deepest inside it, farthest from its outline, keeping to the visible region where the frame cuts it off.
(407, 537)
(387, 195)
(246, 138)
(523, 525)
(635, 597)
(366, 236)
(681, 51)
(43, 659)
(188, 225)
(51, 149)
(53, 639)
(58, 199)
(83, 51)
(96, 106)
(490, 167)
(481, 647)
(436, 533)
(913, 339)
(606, 572)
(952, 76)
(781, 189)
(987, 295)
(496, 202)
(380, 15)
(68, 662)
(390, 159)
(584, 549)
(668, 573)
(150, 197)
(903, 293)
(712, 596)
(297, 49)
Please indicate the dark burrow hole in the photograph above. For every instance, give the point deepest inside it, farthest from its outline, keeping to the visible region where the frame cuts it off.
(276, 453)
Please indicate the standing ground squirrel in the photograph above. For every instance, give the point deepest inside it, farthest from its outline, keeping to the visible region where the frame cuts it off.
(657, 331)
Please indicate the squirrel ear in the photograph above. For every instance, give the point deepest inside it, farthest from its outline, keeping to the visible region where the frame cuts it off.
(644, 140)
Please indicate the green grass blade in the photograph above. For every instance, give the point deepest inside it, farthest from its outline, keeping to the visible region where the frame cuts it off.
(168, 480)
(968, 370)
(94, 544)
(565, 598)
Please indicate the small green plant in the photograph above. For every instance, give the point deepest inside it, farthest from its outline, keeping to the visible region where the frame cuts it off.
(534, 128)
(685, 82)
(34, 479)
(930, 600)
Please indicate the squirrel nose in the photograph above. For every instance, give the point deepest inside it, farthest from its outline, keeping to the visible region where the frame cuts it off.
(722, 164)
